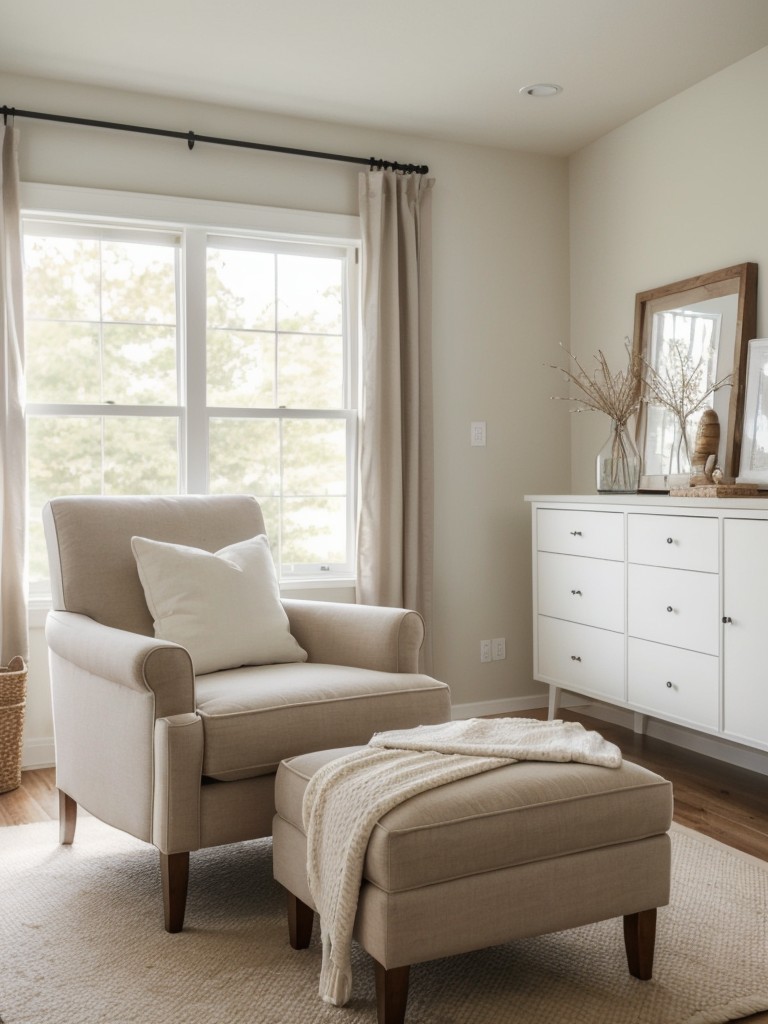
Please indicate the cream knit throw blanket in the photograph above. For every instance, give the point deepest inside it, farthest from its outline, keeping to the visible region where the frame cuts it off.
(346, 797)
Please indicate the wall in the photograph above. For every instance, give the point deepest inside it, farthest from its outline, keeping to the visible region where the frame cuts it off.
(676, 192)
(500, 309)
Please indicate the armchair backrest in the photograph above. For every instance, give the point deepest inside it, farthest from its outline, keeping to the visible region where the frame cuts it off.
(93, 571)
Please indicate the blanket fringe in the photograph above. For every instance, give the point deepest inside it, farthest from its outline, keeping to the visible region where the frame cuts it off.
(335, 979)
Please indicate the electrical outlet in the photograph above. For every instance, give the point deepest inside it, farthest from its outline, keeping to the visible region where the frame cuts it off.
(477, 434)
(485, 650)
(499, 648)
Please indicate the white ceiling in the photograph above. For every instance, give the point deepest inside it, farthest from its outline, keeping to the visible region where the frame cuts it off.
(447, 69)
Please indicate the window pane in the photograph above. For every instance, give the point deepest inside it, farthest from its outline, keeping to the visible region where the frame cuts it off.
(241, 289)
(64, 456)
(314, 457)
(310, 371)
(61, 278)
(309, 294)
(95, 455)
(241, 369)
(244, 457)
(63, 362)
(139, 365)
(314, 531)
(138, 283)
(141, 455)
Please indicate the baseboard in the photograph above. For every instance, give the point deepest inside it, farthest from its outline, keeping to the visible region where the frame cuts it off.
(38, 753)
(487, 708)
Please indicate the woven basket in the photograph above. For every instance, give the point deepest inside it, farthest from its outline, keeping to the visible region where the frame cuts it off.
(13, 693)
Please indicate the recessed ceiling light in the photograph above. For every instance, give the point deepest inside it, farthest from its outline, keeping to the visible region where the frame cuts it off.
(541, 89)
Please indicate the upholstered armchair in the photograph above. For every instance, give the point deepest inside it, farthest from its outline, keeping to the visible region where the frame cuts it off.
(158, 738)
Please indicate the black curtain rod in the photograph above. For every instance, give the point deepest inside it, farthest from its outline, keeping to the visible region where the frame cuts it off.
(192, 137)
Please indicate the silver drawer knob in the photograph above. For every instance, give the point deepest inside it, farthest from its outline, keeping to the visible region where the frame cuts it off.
(577, 592)
(727, 619)
(670, 541)
(669, 685)
(575, 657)
(670, 608)
(575, 533)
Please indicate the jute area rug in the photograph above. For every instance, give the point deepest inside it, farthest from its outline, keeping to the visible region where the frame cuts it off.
(82, 942)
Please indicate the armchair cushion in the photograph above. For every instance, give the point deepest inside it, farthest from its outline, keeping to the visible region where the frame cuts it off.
(223, 606)
(254, 717)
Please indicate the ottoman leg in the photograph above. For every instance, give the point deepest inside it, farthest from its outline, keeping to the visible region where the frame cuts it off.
(639, 940)
(391, 993)
(300, 919)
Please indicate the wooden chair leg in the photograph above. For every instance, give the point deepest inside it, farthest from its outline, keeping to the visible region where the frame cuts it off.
(174, 870)
(391, 993)
(67, 819)
(300, 921)
(640, 940)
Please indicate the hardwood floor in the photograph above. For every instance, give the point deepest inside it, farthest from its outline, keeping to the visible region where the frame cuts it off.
(35, 800)
(727, 803)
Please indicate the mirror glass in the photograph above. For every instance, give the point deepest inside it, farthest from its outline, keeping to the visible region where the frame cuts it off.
(700, 328)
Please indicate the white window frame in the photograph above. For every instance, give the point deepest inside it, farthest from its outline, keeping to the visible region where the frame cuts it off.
(200, 223)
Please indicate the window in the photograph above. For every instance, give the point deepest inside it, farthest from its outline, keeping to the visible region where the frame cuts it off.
(181, 359)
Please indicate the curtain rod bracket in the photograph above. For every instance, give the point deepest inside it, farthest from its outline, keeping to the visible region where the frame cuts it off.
(191, 140)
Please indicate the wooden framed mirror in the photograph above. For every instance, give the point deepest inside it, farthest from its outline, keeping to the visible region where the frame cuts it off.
(710, 318)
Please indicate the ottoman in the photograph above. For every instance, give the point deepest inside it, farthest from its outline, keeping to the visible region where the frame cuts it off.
(522, 850)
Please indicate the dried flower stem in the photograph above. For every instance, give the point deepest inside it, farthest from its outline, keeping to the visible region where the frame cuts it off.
(616, 395)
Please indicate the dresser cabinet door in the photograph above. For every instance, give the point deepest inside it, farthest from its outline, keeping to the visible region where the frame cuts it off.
(673, 606)
(587, 590)
(673, 683)
(745, 629)
(589, 660)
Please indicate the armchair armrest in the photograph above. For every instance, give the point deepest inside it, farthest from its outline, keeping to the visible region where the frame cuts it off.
(366, 636)
(129, 659)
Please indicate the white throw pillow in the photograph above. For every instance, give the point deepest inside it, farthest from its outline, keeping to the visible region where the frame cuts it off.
(224, 607)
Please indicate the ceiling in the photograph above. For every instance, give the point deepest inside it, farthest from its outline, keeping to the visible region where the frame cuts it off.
(448, 69)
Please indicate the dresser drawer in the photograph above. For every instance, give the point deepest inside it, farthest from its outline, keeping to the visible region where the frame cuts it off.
(673, 683)
(674, 606)
(576, 532)
(586, 590)
(678, 542)
(581, 658)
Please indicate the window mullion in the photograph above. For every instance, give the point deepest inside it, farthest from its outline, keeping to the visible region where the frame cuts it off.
(194, 299)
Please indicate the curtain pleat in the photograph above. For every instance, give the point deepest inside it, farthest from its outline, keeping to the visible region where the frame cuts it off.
(13, 483)
(395, 530)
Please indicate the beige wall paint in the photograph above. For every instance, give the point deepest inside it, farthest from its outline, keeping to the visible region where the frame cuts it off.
(676, 192)
(500, 310)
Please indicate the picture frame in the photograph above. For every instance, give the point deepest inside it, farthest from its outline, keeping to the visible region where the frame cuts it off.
(753, 467)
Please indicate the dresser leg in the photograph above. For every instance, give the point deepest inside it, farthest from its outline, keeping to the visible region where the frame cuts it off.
(554, 702)
(640, 723)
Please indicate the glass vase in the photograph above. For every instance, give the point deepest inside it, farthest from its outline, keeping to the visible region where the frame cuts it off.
(679, 474)
(618, 462)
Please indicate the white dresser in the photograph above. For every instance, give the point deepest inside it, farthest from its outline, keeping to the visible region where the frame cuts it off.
(656, 604)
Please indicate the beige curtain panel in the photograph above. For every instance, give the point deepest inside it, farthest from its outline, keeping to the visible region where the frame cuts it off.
(13, 482)
(395, 531)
